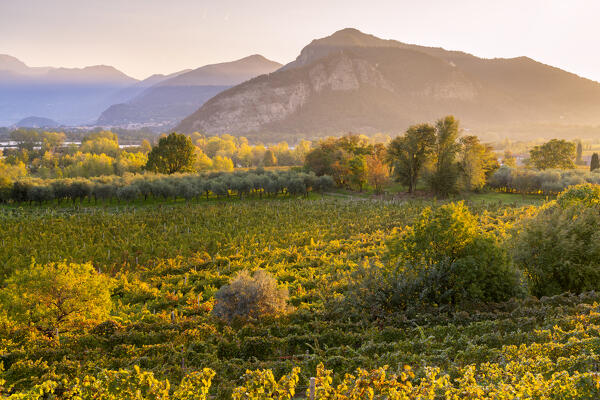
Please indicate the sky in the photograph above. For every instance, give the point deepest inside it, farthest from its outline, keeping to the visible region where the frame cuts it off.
(144, 37)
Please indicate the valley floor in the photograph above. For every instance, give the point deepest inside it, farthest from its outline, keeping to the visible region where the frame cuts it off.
(167, 261)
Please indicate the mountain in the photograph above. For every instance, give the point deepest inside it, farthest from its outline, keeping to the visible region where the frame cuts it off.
(351, 81)
(67, 95)
(10, 63)
(169, 100)
(37, 122)
(130, 92)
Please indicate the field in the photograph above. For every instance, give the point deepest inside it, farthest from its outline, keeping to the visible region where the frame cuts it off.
(168, 260)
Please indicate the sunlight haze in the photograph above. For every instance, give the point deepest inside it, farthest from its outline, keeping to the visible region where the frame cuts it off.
(144, 37)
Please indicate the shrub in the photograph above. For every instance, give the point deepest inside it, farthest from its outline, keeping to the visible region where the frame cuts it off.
(251, 296)
(445, 257)
(56, 295)
(559, 248)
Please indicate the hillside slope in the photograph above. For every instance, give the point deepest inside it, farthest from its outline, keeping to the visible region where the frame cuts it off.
(168, 101)
(351, 81)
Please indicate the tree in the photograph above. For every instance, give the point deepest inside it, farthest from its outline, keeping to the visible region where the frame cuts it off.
(26, 139)
(509, 159)
(477, 162)
(202, 162)
(408, 153)
(377, 171)
(174, 153)
(444, 177)
(334, 157)
(319, 161)
(222, 163)
(251, 296)
(269, 160)
(595, 162)
(579, 154)
(358, 171)
(52, 140)
(145, 146)
(58, 295)
(101, 145)
(553, 154)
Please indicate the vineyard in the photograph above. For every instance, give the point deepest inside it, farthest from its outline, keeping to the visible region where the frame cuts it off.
(162, 341)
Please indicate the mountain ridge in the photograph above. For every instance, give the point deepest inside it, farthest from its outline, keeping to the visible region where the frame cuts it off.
(170, 100)
(337, 84)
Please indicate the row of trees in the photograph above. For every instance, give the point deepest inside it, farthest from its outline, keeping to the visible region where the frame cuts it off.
(187, 186)
(47, 155)
(550, 181)
(448, 163)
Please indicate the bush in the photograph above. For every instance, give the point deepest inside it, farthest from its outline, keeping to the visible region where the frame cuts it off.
(251, 296)
(559, 248)
(446, 258)
(57, 295)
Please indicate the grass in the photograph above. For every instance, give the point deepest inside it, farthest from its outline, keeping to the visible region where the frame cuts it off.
(513, 199)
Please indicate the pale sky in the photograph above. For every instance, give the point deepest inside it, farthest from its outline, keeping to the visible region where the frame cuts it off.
(143, 37)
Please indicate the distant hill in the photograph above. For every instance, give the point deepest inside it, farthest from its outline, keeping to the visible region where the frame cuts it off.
(67, 95)
(169, 100)
(351, 81)
(37, 122)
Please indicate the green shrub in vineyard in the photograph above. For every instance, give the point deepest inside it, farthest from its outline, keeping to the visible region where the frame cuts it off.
(559, 248)
(445, 257)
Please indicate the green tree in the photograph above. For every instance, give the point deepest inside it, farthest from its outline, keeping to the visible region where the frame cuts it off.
(595, 162)
(553, 154)
(333, 156)
(269, 160)
(56, 296)
(579, 154)
(26, 139)
(358, 171)
(174, 153)
(558, 248)
(407, 154)
(477, 163)
(444, 177)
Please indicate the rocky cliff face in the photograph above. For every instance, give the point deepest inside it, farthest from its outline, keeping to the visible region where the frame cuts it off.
(355, 82)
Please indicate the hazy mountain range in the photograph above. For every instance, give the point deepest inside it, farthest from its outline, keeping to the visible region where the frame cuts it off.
(346, 82)
(67, 95)
(170, 100)
(351, 81)
(106, 96)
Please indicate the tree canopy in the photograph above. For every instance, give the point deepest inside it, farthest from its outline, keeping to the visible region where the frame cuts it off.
(174, 153)
(595, 162)
(444, 178)
(556, 153)
(407, 154)
(57, 295)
